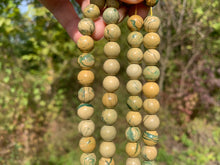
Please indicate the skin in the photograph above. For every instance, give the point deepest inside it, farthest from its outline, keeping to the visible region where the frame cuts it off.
(64, 12)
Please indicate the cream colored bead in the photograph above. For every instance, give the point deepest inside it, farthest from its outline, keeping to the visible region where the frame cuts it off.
(151, 24)
(134, 118)
(135, 23)
(85, 111)
(149, 152)
(108, 133)
(88, 159)
(151, 40)
(111, 67)
(151, 57)
(134, 103)
(106, 161)
(134, 87)
(86, 127)
(151, 106)
(91, 11)
(135, 39)
(133, 149)
(86, 26)
(111, 15)
(151, 89)
(86, 77)
(112, 49)
(110, 100)
(134, 71)
(111, 83)
(87, 144)
(86, 94)
(107, 149)
(85, 44)
(112, 32)
(151, 122)
(109, 116)
(135, 55)
(133, 161)
(133, 134)
(151, 73)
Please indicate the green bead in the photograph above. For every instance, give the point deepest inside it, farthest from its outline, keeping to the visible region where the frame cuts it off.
(91, 11)
(99, 3)
(150, 138)
(135, 39)
(111, 16)
(86, 26)
(149, 163)
(86, 94)
(113, 3)
(86, 60)
(134, 103)
(88, 159)
(133, 134)
(151, 73)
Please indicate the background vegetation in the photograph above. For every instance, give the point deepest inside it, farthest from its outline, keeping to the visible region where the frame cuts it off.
(38, 86)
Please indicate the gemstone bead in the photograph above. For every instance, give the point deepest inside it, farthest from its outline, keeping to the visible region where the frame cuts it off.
(135, 39)
(134, 118)
(151, 73)
(151, 57)
(108, 133)
(133, 161)
(85, 111)
(112, 49)
(99, 3)
(151, 89)
(135, 55)
(107, 149)
(109, 116)
(151, 106)
(112, 32)
(106, 161)
(91, 11)
(133, 134)
(133, 149)
(86, 94)
(86, 77)
(135, 23)
(111, 67)
(87, 144)
(86, 26)
(113, 3)
(110, 100)
(151, 3)
(86, 60)
(111, 83)
(88, 159)
(151, 24)
(151, 122)
(150, 138)
(134, 103)
(86, 127)
(111, 16)
(85, 43)
(134, 87)
(149, 152)
(134, 71)
(151, 40)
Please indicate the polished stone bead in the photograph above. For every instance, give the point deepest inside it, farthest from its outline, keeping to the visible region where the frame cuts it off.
(149, 152)
(111, 67)
(134, 118)
(134, 87)
(151, 122)
(133, 161)
(111, 15)
(151, 106)
(151, 73)
(112, 49)
(106, 161)
(113, 3)
(133, 149)
(135, 55)
(111, 83)
(151, 3)
(109, 116)
(133, 134)
(151, 24)
(107, 149)
(110, 100)
(86, 61)
(112, 32)
(88, 159)
(87, 144)
(151, 89)
(135, 23)
(86, 77)
(86, 26)
(99, 3)
(85, 43)
(108, 133)
(86, 127)
(151, 57)
(149, 163)
(135, 39)
(134, 103)
(85, 111)
(151, 40)
(134, 71)
(91, 11)
(150, 138)
(86, 94)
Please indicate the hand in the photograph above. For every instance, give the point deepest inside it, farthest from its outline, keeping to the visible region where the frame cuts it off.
(64, 12)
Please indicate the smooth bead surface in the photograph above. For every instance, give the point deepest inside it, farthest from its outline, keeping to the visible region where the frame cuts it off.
(151, 40)
(133, 134)
(85, 43)
(151, 106)
(112, 32)
(106, 161)
(111, 15)
(133, 149)
(109, 116)
(86, 26)
(134, 71)
(151, 57)
(111, 83)
(149, 163)
(108, 133)
(149, 152)
(151, 24)
(135, 39)
(86, 94)
(135, 23)
(113, 3)
(151, 3)
(112, 49)
(88, 159)
(151, 89)
(151, 73)
(107, 149)
(86, 127)
(135, 55)
(86, 77)
(134, 87)
(133, 161)
(151, 122)
(87, 144)
(85, 111)
(91, 11)
(110, 100)
(86, 60)
(99, 3)
(134, 103)
(111, 67)
(134, 118)
(150, 138)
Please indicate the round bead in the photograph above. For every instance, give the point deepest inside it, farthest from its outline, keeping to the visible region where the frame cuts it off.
(91, 11)
(86, 127)
(108, 133)
(150, 138)
(151, 3)
(133, 149)
(111, 15)
(149, 152)
(134, 103)
(113, 3)
(151, 122)
(133, 161)
(88, 159)
(151, 57)
(112, 49)
(86, 60)
(99, 3)
(106, 161)
(85, 111)
(133, 134)
(151, 24)
(151, 40)
(86, 77)
(151, 106)
(134, 71)
(135, 55)
(151, 89)
(149, 163)
(110, 100)
(111, 67)
(135, 23)
(135, 39)
(85, 43)
(86, 26)
(134, 87)
(111, 83)
(112, 32)
(134, 118)
(86, 94)
(87, 144)
(109, 116)
(107, 149)
(151, 73)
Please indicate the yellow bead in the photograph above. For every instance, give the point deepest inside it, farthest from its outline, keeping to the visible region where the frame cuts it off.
(111, 67)
(135, 39)
(86, 127)
(133, 149)
(86, 77)
(86, 94)
(133, 134)
(151, 73)
(151, 3)
(107, 149)
(86, 26)
(151, 106)
(85, 111)
(151, 122)
(151, 57)
(113, 3)
(108, 133)
(151, 24)
(135, 55)
(134, 71)
(86, 60)
(109, 116)
(91, 11)
(151, 40)
(134, 103)
(88, 159)
(85, 43)
(87, 144)
(112, 32)
(134, 87)
(135, 23)
(112, 49)
(111, 15)
(99, 3)
(149, 152)
(110, 100)
(151, 89)
(150, 138)
(133, 161)
(106, 161)
(134, 118)
(111, 83)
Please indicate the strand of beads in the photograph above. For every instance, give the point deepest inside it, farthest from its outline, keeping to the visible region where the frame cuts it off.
(110, 83)
(151, 89)
(134, 87)
(86, 77)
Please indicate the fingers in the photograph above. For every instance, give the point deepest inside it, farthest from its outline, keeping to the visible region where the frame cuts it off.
(139, 9)
(132, 1)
